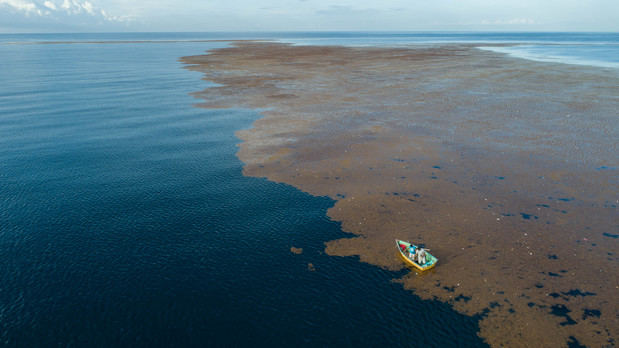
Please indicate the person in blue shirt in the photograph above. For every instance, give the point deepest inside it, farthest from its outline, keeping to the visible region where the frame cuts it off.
(411, 252)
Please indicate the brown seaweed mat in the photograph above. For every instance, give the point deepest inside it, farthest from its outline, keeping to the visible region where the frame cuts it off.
(506, 168)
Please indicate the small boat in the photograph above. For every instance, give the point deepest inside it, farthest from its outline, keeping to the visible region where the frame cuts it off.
(404, 248)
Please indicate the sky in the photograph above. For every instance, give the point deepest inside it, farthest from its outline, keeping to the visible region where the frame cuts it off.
(49, 16)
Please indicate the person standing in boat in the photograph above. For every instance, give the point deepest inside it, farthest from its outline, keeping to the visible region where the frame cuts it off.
(421, 256)
(411, 252)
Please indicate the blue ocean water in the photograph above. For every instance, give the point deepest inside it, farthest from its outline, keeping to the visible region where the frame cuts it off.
(125, 219)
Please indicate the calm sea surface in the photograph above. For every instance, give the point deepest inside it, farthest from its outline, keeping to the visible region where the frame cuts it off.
(125, 219)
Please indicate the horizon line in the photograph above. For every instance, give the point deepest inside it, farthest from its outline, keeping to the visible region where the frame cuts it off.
(316, 31)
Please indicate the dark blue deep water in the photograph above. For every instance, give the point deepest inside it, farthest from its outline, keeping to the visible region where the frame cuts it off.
(125, 220)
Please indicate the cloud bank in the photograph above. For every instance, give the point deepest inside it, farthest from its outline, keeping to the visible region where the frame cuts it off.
(23, 6)
(70, 14)
(307, 15)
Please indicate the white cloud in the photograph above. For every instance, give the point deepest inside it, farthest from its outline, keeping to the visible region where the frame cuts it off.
(111, 18)
(70, 8)
(21, 5)
(512, 21)
(77, 7)
(50, 5)
(88, 7)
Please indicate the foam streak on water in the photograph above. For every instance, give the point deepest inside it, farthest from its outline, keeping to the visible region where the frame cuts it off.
(605, 56)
